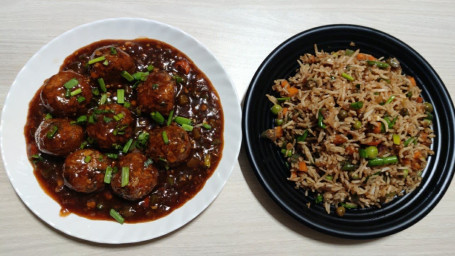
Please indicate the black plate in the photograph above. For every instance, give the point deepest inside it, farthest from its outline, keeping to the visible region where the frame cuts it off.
(269, 164)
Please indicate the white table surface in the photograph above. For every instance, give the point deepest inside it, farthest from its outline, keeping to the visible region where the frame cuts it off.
(243, 220)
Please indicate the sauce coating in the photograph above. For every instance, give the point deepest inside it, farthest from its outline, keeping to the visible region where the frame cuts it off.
(131, 122)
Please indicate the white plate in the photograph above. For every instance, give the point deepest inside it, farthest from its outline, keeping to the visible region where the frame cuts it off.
(45, 63)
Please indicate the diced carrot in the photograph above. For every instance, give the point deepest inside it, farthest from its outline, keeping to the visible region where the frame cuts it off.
(292, 91)
(413, 81)
(361, 56)
(373, 143)
(339, 140)
(183, 65)
(312, 59)
(377, 127)
(415, 165)
(91, 204)
(350, 150)
(147, 202)
(285, 111)
(406, 162)
(108, 195)
(302, 166)
(417, 155)
(419, 100)
(278, 132)
(284, 84)
(293, 175)
(369, 57)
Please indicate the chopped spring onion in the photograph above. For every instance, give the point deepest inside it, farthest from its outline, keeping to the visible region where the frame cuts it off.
(113, 50)
(120, 96)
(125, 176)
(157, 117)
(106, 62)
(127, 76)
(348, 52)
(187, 127)
(150, 67)
(356, 105)
(103, 98)
(87, 159)
(169, 118)
(178, 79)
(112, 155)
(155, 86)
(329, 177)
(207, 126)
(108, 175)
(406, 143)
(321, 120)
(303, 136)
(378, 64)
(95, 60)
(96, 91)
(348, 77)
(83, 144)
(82, 119)
(107, 119)
(118, 117)
(71, 83)
(102, 84)
(141, 76)
(80, 99)
(51, 133)
(165, 138)
(127, 146)
(114, 214)
(396, 139)
(48, 116)
(148, 162)
(91, 119)
(182, 120)
(318, 199)
(76, 92)
(127, 104)
(390, 99)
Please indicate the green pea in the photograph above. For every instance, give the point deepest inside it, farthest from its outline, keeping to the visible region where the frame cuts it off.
(342, 114)
(276, 109)
(428, 106)
(371, 152)
(279, 121)
(357, 125)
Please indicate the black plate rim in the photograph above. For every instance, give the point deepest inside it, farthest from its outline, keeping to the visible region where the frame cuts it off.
(442, 182)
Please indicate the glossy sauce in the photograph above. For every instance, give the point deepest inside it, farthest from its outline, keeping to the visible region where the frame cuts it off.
(196, 99)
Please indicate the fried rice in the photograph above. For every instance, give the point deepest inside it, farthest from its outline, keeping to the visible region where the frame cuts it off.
(354, 129)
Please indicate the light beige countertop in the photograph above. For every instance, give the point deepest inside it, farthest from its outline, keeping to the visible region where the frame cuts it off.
(243, 220)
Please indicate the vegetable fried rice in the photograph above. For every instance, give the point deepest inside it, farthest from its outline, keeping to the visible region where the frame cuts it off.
(353, 129)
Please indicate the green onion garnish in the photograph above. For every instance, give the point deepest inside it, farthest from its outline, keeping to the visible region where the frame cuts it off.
(80, 99)
(207, 126)
(108, 175)
(114, 214)
(91, 119)
(105, 63)
(83, 144)
(112, 155)
(318, 199)
(378, 64)
(125, 175)
(178, 79)
(76, 92)
(127, 76)
(155, 86)
(102, 84)
(127, 146)
(127, 104)
(148, 162)
(150, 67)
(182, 120)
(103, 98)
(142, 138)
(165, 138)
(87, 159)
(48, 116)
(82, 119)
(107, 119)
(50, 134)
(113, 50)
(118, 117)
(356, 105)
(348, 77)
(95, 91)
(95, 60)
(169, 118)
(303, 136)
(120, 96)
(390, 99)
(187, 127)
(406, 143)
(71, 83)
(157, 117)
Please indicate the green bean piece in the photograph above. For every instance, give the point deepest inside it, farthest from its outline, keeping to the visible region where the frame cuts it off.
(356, 105)
(349, 167)
(428, 106)
(114, 214)
(378, 64)
(376, 162)
(348, 77)
(362, 153)
(383, 161)
(406, 143)
(329, 177)
(390, 160)
(276, 109)
(303, 136)
(283, 99)
(371, 152)
(321, 120)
